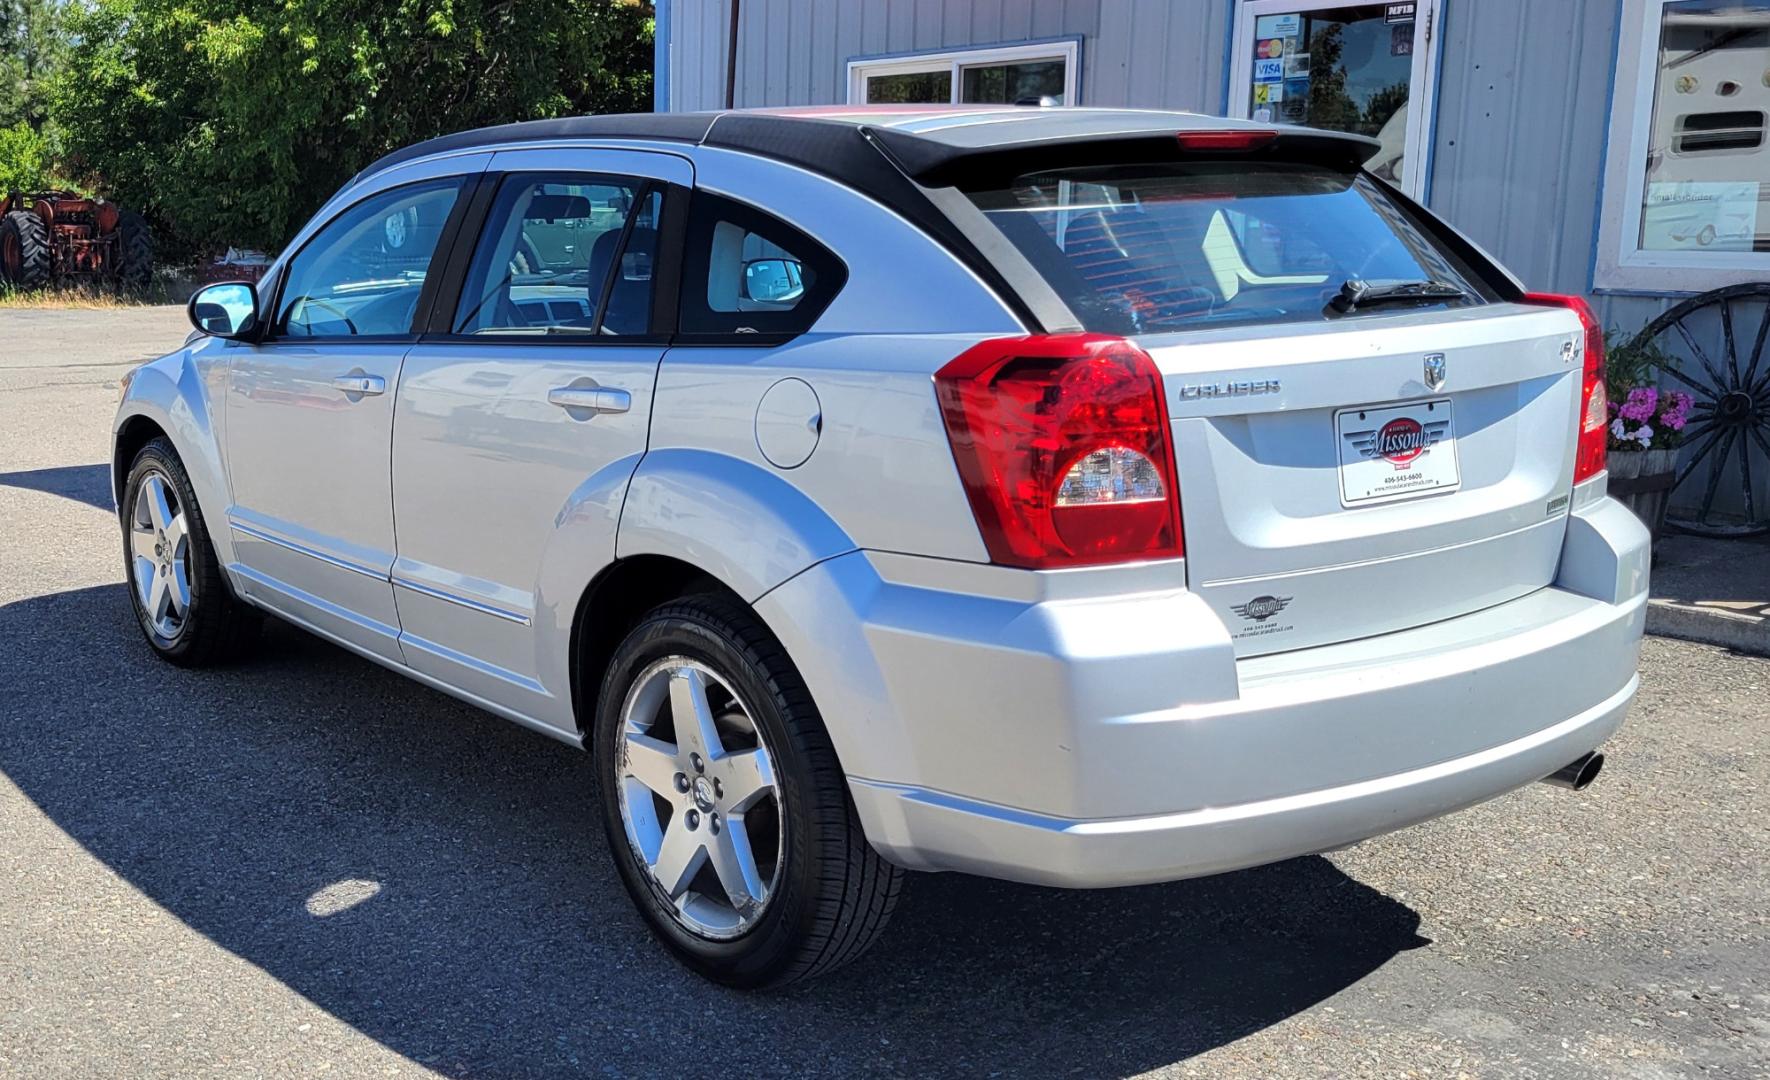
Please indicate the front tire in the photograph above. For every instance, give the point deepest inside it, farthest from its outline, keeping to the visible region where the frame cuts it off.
(727, 812)
(181, 597)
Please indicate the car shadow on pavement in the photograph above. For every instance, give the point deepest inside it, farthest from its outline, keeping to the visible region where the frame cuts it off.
(437, 879)
(90, 484)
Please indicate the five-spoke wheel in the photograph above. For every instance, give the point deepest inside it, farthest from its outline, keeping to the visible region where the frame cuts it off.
(726, 810)
(181, 597)
(159, 541)
(698, 796)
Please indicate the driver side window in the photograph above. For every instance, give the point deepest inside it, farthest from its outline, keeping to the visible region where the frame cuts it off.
(361, 275)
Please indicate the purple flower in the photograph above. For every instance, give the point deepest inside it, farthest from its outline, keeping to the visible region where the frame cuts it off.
(1642, 403)
(1677, 406)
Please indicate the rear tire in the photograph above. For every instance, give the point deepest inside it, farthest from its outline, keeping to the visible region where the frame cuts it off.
(827, 893)
(180, 595)
(135, 252)
(24, 250)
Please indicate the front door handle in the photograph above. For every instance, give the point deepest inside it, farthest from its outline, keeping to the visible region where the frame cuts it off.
(594, 399)
(360, 384)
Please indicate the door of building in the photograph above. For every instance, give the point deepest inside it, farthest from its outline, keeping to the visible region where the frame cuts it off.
(1368, 68)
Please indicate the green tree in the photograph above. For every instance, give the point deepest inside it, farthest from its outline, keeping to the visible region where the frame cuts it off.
(24, 159)
(32, 45)
(1382, 105)
(1330, 105)
(230, 121)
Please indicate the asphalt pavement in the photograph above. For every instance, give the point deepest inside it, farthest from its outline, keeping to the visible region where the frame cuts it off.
(306, 865)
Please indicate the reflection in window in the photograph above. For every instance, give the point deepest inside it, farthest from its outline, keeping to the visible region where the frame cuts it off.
(362, 273)
(1344, 68)
(1008, 84)
(1135, 250)
(916, 87)
(999, 76)
(748, 273)
(1708, 167)
(549, 254)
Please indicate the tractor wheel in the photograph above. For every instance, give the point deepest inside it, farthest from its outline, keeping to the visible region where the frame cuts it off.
(135, 260)
(24, 250)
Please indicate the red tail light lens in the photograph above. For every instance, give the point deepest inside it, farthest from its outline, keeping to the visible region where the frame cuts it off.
(1062, 443)
(1594, 416)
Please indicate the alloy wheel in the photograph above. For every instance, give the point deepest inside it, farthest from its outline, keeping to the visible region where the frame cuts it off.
(699, 798)
(159, 547)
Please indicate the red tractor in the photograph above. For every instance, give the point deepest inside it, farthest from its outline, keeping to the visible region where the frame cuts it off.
(58, 236)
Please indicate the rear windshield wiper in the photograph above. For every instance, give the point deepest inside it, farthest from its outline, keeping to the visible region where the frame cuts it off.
(1355, 294)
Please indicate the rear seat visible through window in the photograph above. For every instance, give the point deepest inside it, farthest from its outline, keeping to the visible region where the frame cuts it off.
(748, 273)
(1170, 246)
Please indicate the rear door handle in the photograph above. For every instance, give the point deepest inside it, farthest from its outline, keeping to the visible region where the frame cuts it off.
(360, 384)
(596, 399)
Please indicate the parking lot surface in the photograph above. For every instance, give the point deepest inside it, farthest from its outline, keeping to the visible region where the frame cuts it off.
(308, 866)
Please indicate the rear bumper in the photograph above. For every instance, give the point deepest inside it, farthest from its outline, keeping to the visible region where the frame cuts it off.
(1090, 740)
(934, 831)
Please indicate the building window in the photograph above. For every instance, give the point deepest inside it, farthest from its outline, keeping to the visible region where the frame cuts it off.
(1368, 68)
(1687, 182)
(998, 76)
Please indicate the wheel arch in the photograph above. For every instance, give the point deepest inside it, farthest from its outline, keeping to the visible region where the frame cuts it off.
(692, 522)
(133, 433)
(619, 596)
(169, 398)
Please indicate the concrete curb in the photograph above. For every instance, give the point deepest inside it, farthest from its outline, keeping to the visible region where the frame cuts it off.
(1748, 634)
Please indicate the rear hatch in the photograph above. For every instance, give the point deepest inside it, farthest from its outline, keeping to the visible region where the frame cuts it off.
(1368, 434)
(1358, 498)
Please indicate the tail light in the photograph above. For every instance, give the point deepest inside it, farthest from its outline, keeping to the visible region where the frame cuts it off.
(1594, 417)
(1062, 444)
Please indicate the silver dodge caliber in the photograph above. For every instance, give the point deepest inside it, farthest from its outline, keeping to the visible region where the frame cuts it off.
(1076, 496)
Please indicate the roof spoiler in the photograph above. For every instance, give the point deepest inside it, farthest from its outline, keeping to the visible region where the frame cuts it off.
(941, 164)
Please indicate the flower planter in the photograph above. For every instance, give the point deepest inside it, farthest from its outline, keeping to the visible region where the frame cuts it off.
(1642, 481)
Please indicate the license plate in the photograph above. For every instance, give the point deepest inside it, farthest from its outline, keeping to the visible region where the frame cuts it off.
(1396, 451)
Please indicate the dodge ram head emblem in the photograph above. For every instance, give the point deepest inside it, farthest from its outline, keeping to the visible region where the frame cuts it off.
(1435, 371)
(1261, 608)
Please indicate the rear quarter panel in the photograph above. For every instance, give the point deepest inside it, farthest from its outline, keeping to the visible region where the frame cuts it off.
(881, 475)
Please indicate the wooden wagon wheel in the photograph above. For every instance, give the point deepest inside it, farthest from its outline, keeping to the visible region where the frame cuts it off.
(1731, 417)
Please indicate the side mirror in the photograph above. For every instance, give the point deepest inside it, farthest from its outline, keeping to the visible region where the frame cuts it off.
(227, 310)
(773, 281)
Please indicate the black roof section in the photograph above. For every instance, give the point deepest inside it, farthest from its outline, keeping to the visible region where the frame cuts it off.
(914, 159)
(681, 127)
(928, 142)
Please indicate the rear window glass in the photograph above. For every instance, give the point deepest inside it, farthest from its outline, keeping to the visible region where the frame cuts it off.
(1146, 249)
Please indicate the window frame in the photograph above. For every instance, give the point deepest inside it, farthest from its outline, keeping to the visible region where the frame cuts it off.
(954, 61)
(695, 270)
(440, 326)
(465, 183)
(1621, 265)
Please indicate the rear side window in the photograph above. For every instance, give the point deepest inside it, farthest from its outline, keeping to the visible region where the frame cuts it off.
(748, 273)
(563, 255)
(1146, 249)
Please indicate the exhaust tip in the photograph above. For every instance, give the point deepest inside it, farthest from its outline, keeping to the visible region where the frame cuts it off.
(1578, 774)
